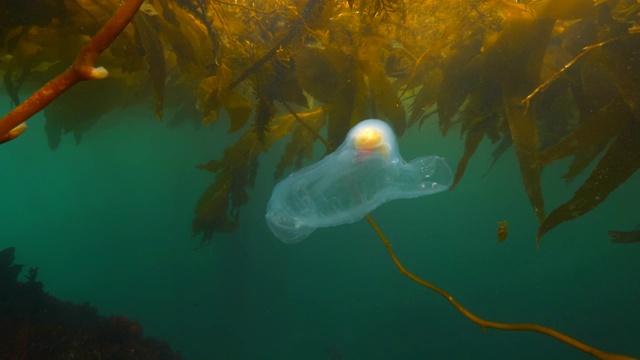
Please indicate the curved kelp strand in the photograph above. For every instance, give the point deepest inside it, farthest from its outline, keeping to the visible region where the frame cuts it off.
(484, 324)
(11, 125)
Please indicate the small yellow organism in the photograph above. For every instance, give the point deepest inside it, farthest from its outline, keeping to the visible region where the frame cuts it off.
(369, 140)
(503, 230)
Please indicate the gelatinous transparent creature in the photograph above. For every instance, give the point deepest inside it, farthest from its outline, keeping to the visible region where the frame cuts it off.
(362, 174)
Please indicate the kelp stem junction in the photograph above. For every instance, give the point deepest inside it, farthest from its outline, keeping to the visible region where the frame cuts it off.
(484, 324)
(82, 69)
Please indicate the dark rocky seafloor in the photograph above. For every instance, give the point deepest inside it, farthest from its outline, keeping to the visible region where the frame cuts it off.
(36, 325)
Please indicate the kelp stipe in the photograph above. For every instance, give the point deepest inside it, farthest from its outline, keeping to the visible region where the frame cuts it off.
(484, 324)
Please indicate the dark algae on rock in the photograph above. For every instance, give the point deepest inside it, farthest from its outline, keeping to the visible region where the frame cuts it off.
(36, 325)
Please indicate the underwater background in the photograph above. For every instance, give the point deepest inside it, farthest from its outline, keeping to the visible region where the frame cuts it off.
(108, 222)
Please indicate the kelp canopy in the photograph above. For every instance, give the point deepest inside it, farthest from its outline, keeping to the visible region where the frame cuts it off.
(550, 79)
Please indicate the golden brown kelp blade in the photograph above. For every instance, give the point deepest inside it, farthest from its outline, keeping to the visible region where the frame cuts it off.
(284, 86)
(565, 9)
(211, 210)
(300, 146)
(624, 237)
(147, 24)
(339, 113)
(209, 98)
(622, 158)
(213, 94)
(273, 82)
(264, 111)
(460, 78)
(331, 76)
(218, 208)
(473, 139)
(323, 72)
(522, 45)
(12, 85)
(383, 103)
(581, 161)
(238, 108)
(501, 149)
(79, 109)
(597, 129)
(184, 37)
(384, 98)
(199, 9)
(620, 161)
(426, 96)
(310, 14)
(621, 56)
(524, 134)
(481, 96)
